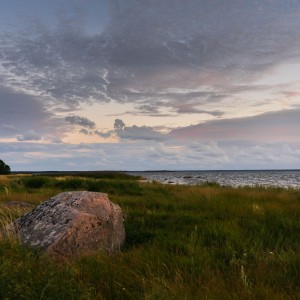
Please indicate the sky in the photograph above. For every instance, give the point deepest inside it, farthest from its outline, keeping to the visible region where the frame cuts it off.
(150, 85)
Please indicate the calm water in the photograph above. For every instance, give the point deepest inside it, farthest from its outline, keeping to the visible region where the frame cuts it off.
(280, 178)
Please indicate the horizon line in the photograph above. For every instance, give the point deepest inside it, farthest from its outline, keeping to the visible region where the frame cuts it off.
(156, 170)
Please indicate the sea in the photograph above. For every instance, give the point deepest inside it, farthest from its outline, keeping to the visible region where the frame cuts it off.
(266, 178)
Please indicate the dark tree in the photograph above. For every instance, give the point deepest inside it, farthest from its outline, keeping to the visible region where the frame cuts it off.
(4, 168)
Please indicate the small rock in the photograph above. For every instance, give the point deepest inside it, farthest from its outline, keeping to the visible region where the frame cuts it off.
(73, 223)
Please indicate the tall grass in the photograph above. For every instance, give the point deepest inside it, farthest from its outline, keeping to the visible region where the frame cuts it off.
(197, 242)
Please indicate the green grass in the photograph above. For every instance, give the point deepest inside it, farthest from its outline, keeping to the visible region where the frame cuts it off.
(183, 242)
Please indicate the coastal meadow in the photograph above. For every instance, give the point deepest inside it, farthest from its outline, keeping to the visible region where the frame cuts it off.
(182, 242)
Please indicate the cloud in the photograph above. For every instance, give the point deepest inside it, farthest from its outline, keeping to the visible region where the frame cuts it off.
(24, 112)
(81, 121)
(210, 35)
(191, 108)
(30, 135)
(21, 110)
(140, 133)
(8, 127)
(148, 48)
(119, 125)
(84, 131)
(104, 134)
(55, 140)
(273, 126)
(134, 132)
(196, 60)
(150, 155)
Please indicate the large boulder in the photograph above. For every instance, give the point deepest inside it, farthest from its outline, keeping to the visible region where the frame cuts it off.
(73, 223)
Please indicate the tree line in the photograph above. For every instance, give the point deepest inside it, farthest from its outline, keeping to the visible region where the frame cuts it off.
(4, 168)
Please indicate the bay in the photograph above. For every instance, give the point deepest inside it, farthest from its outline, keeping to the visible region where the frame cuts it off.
(267, 178)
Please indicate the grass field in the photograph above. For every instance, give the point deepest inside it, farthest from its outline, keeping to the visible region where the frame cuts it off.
(183, 242)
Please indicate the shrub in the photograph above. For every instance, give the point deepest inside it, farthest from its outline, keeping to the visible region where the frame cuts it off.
(71, 184)
(36, 182)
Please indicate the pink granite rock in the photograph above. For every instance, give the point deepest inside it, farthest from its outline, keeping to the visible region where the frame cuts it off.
(72, 224)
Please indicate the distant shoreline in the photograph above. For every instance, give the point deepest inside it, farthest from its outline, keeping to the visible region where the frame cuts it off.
(151, 171)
